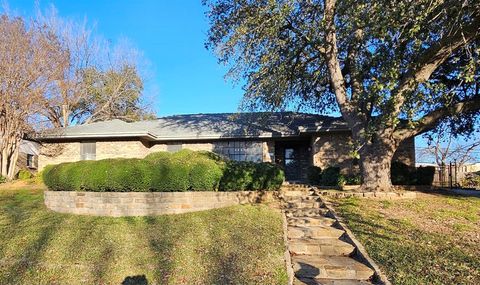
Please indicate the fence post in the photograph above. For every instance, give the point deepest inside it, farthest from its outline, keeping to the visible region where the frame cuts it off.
(450, 175)
(456, 182)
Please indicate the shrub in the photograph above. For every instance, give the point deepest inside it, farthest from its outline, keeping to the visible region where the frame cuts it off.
(355, 179)
(274, 176)
(238, 176)
(2, 179)
(184, 170)
(314, 175)
(119, 175)
(471, 180)
(242, 175)
(331, 176)
(402, 174)
(24, 174)
(425, 175)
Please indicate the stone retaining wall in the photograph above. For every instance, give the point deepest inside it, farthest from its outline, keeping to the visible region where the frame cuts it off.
(119, 204)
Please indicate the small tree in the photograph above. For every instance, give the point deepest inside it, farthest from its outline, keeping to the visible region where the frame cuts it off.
(394, 69)
(100, 82)
(444, 146)
(113, 94)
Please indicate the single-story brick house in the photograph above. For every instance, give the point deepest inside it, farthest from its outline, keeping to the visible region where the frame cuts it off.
(292, 140)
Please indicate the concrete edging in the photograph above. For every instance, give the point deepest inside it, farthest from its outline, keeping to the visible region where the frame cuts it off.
(122, 204)
(380, 277)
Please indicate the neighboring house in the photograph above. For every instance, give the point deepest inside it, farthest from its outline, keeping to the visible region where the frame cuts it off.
(28, 155)
(471, 167)
(292, 140)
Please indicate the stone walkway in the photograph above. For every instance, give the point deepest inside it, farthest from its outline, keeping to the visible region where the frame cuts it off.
(319, 253)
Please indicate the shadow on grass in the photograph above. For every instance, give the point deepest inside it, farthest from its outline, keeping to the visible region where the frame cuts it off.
(135, 280)
(160, 244)
(26, 217)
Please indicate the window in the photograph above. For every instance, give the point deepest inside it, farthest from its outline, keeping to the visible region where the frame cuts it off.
(241, 150)
(174, 147)
(30, 160)
(289, 156)
(88, 151)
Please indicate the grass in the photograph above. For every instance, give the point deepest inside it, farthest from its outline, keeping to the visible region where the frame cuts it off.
(234, 245)
(433, 239)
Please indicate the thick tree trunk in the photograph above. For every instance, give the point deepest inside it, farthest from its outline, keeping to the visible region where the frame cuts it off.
(13, 163)
(375, 162)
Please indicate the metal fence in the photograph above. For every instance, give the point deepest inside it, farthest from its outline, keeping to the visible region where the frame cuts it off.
(448, 175)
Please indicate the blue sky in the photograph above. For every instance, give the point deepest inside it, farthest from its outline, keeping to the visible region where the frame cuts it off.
(183, 77)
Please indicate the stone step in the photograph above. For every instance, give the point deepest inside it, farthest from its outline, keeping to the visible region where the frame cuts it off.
(310, 221)
(313, 232)
(323, 281)
(323, 246)
(305, 205)
(296, 185)
(318, 212)
(295, 193)
(330, 267)
(306, 198)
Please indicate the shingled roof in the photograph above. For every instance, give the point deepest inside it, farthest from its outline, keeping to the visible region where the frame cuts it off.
(205, 126)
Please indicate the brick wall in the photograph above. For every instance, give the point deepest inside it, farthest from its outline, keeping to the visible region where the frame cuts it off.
(328, 149)
(116, 204)
(333, 149)
(70, 151)
(66, 152)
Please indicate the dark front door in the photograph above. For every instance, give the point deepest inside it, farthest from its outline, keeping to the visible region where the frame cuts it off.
(293, 156)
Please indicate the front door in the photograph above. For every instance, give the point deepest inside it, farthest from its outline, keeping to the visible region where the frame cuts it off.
(293, 157)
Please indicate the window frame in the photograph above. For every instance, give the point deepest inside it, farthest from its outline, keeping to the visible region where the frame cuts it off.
(92, 154)
(30, 161)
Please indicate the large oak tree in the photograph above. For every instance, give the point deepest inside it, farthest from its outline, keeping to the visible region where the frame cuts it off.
(393, 69)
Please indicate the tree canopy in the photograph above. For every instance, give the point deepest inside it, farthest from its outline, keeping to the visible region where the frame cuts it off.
(53, 73)
(393, 69)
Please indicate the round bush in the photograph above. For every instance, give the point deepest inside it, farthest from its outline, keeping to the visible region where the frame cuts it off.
(314, 175)
(24, 174)
(331, 177)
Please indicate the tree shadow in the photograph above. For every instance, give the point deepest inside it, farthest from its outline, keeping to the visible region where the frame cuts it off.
(160, 243)
(307, 273)
(32, 253)
(135, 280)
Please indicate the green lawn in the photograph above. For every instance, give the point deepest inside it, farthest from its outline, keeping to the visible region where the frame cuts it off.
(429, 240)
(235, 245)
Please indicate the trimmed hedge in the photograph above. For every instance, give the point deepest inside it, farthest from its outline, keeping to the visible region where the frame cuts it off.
(162, 172)
(242, 175)
(425, 175)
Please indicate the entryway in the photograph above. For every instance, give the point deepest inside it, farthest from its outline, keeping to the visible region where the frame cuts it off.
(294, 157)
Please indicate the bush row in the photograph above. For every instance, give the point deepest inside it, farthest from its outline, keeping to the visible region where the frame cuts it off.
(160, 172)
(330, 176)
(400, 173)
